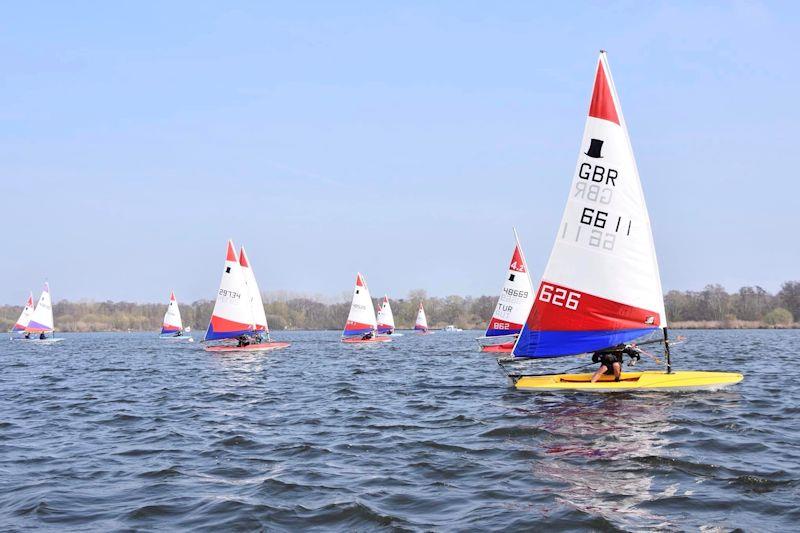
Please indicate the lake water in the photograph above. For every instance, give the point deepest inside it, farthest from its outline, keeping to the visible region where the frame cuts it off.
(125, 431)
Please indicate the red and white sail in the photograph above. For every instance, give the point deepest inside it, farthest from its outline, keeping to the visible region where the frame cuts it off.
(601, 286)
(361, 319)
(172, 322)
(385, 317)
(25, 317)
(256, 303)
(41, 320)
(421, 324)
(233, 312)
(516, 297)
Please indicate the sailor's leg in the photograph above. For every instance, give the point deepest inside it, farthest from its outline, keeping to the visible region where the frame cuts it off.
(617, 370)
(600, 371)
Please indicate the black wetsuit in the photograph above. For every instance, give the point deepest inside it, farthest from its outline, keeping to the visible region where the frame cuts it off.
(614, 355)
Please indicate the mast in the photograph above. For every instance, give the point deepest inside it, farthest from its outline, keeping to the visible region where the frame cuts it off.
(666, 351)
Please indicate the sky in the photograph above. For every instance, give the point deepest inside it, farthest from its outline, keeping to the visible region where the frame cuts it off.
(403, 140)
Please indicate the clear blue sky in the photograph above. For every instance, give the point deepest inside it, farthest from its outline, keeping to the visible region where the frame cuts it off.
(403, 140)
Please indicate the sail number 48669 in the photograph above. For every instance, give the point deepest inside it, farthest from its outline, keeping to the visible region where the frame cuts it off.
(559, 296)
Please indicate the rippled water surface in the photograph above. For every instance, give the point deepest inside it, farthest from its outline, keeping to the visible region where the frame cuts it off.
(110, 431)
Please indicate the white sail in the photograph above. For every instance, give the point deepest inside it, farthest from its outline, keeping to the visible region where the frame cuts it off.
(421, 324)
(361, 319)
(601, 286)
(172, 318)
(385, 317)
(25, 316)
(41, 320)
(256, 303)
(233, 314)
(516, 297)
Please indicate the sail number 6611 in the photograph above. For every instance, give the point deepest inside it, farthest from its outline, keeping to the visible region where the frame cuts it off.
(559, 296)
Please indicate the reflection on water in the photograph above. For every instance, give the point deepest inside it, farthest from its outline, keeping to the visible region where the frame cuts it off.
(587, 436)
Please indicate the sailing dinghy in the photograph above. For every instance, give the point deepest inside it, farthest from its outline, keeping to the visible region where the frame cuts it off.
(233, 315)
(24, 317)
(362, 324)
(512, 307)
(601, 287)
(172, 325)
(421, 324)
(386, 319)
(41, 320)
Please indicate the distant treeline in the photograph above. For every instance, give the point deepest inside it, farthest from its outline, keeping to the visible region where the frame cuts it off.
(713, 306)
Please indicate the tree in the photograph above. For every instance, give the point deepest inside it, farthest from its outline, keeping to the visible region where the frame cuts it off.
(779, 317)
(789, 295)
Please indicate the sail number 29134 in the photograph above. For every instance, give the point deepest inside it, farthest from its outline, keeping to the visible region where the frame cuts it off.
(559, 296)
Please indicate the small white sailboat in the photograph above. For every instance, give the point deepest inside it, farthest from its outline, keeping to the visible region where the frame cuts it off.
(513, 306)
(601, 287)
(233, 315)
(172, 325)
(421, 324)
(386, 319)
(24, 318)
(362, 323)
(41, 320)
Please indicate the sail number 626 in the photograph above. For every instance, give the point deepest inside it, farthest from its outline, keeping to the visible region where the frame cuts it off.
(559, 296)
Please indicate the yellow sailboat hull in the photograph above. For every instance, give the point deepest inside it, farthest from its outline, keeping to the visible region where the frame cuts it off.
(630, 381)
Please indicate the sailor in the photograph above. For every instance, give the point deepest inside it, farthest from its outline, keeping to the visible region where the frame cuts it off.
(27, 334)
(367, 336)
(243, 341)
(610, 360)
(42, 336)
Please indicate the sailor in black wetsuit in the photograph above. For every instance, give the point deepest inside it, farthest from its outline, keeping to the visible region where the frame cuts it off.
(610, 360)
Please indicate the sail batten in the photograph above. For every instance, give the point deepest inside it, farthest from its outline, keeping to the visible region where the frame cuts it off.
(601, 286)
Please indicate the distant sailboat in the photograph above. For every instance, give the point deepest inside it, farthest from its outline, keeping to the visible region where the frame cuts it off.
(516, 298)
(25, 317)
(385, 318)
(362, 324)
(233, 316)
(601, 287)
(421, 324)
(172, 325)
(41, 320)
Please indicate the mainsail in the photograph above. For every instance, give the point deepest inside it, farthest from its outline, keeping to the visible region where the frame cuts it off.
(172, 318)
(233, 314)
(385, 317)
(256, 303)
(361, 319)
(515, 299)
(601, 286)
(42, 317)
(421, 323)
(25, 317)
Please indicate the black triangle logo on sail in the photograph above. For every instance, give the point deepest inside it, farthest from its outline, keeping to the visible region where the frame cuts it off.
(595, 147)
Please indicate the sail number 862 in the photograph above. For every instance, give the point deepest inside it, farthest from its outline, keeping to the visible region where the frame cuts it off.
(559, 296)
